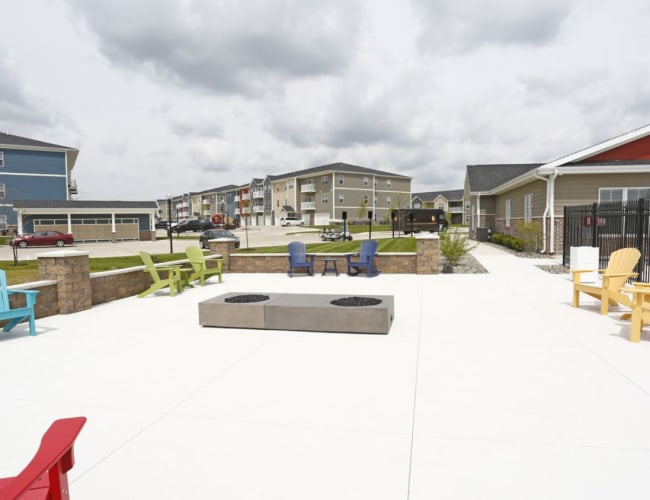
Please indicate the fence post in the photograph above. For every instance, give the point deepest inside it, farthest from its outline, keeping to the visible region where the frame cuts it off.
(594, 226)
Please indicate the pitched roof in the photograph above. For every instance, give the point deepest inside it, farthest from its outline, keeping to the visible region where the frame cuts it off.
(450, 195)
(336, 167)
(81, 204)
(17, 142)
(487, 177)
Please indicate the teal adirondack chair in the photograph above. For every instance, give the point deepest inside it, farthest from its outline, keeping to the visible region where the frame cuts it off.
(18, 314)
(200, 271)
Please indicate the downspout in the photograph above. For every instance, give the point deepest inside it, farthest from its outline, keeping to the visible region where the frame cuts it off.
(551, 185)
(545, 211)
(549, 210)
(478, 213)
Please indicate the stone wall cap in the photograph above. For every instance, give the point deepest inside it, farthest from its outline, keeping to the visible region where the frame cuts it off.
(63, 253)
(427, 236)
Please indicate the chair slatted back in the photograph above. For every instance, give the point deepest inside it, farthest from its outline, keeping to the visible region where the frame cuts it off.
(4, 295)
(297, 252)
(622, 261)
(367, 250)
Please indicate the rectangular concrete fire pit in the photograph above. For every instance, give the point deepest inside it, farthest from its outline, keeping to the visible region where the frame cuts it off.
(304, 312)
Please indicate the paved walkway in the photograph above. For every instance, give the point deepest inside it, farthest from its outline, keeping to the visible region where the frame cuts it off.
(488, 386)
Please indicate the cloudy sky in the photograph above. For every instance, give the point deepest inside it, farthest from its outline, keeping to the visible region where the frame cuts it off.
(175, 96)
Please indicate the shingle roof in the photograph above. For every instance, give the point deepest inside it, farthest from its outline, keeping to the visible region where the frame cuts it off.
(83, 204)
(450, 195)
(487, 177)
(14, 140)
(337, 167)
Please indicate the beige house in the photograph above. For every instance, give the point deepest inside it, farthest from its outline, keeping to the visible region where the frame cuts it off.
(497, 196)
(451, 201)
(323, 193)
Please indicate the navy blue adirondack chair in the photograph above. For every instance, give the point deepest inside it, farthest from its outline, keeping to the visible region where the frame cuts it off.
(365, 261)
(299, 258)
(18, 314)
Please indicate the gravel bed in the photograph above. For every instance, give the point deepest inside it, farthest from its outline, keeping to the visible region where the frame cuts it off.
(469, 264)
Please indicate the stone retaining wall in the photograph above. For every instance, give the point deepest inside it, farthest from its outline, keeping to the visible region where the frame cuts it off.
(67, 286)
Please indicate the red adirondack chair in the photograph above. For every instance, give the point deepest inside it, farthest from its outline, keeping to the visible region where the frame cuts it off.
(46, 476)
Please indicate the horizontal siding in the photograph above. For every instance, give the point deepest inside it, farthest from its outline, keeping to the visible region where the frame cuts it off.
(34, 162)
(538, 188)
(34, 188)
(583, 189)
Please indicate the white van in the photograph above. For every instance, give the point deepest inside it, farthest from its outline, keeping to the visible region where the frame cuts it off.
(291, 221)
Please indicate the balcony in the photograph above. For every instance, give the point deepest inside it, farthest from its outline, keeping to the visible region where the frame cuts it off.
(308, 205)
(258, 209)
(456, 210)
(246, 210)
(308, 188)
(206, 202)
(245, 196)
(237, 199)
(258, 194)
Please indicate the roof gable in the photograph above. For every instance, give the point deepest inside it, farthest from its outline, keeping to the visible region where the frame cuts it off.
(635, 150)
(487, 177)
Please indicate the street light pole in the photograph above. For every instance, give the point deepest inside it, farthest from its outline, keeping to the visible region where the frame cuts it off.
(169, 223)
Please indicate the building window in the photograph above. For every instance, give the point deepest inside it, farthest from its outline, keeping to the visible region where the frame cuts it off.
(417, 204)
(341, 198)
(614, 195)
(365, 181)
(388, 183)
(2, 159)
(3, 193)
(324, 199)
(325, 180)
(3, 222)
(365, 199)
(277, 203)
(508, 212)
(441, 206)
(388, 200)
(528, 208)
(341, 179)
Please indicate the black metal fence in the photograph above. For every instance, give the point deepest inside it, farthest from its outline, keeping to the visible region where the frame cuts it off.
(609, 226)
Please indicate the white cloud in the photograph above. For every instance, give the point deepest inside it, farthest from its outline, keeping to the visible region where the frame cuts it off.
(186, 95)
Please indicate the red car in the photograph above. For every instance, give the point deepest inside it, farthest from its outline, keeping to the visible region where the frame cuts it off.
(43, 238)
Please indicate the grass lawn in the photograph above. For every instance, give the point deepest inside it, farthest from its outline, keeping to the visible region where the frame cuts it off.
(27, 271)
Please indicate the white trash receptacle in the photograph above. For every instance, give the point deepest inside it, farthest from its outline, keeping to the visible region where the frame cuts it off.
(585, 258)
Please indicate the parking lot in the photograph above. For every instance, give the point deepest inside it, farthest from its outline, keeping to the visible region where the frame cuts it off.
(250, 237)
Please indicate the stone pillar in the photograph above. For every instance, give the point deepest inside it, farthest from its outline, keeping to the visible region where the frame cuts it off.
(71, 271)
(428, 254)
(223, 246)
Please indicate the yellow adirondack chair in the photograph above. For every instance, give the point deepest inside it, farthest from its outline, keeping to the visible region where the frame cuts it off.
(611, 289)
(200, 270)
(173, 279)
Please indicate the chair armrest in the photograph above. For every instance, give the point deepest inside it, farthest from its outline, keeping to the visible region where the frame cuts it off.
(55, 454)
(620, 275)
(30, 295)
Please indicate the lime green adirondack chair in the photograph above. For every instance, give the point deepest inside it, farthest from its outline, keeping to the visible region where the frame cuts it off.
(173, 279)
(200, 271)
(18, 314)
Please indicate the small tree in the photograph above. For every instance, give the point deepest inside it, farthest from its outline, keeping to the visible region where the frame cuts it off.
(529, 233)
(362, 210)
(454, 246)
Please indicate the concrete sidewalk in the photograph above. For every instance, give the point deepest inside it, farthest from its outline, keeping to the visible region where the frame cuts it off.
(487, 386)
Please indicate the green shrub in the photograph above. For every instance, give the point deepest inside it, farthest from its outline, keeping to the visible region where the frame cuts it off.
(454, 246)
(508, 241)
(529, 233)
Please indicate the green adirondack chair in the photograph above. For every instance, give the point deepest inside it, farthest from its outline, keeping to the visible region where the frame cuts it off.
(173, 279)
(200, 271)
(18, 314)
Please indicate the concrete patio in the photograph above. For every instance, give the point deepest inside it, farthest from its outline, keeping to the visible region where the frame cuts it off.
(487, 386)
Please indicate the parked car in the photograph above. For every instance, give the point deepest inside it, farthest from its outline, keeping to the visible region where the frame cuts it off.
(195, 225)
(213, 234)
(291, 221)
(162, 224)
(42, 238)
